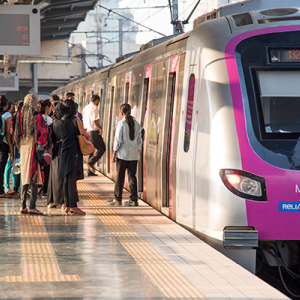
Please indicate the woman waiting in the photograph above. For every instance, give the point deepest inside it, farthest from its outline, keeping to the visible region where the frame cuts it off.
(5, 138)
(55, 196)
(28, 118)
(126, 152)
(46, 109)
(71, 160)
(13, 164)
(9, 164)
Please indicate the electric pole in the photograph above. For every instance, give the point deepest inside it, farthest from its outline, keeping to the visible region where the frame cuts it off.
(175, 16)
(120, 37)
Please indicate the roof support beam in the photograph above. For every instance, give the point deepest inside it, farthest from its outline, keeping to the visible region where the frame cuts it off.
(61, 22)
(56, 31)
(62, 12)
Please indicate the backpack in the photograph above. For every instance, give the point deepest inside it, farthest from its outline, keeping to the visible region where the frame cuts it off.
(42, 154)
(2, 129)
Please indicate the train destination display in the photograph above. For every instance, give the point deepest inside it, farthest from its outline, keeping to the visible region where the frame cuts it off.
(20, 30)
(14, 30)
(285, 55)
(10, 82)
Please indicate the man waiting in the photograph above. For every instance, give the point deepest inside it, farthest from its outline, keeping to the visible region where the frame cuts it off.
(70, 96)
(91, 122)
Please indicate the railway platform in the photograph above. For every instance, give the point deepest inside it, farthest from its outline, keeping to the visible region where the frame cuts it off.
(113, 253)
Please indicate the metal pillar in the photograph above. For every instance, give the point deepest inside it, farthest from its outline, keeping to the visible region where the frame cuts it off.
(35, 84)
(175, 15)
(121, 37)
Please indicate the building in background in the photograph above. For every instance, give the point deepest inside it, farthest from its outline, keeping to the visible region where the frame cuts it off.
(104, 36)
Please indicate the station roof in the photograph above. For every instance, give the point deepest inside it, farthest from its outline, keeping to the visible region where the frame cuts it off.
(59, 18)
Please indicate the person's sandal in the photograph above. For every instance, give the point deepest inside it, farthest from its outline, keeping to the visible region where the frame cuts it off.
(6, 196)
(77, 211)
(51, 205)
(35, 212)
(24, 211)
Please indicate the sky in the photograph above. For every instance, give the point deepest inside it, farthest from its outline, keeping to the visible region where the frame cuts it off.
(157, 18)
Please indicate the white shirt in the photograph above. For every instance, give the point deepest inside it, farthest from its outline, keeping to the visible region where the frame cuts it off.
(5, 116)
(126, 148)
(89, 115)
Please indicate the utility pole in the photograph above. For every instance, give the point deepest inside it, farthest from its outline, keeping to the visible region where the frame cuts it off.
(121, 37)
(175, 16)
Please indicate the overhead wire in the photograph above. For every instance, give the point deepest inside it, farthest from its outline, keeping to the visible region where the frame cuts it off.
(127, 30)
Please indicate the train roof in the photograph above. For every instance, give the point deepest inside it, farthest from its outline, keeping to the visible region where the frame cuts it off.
(272, 10)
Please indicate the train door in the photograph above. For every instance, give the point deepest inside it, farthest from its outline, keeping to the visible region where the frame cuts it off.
(166, 187)
(101, 108)
(155, 133)
(140, 172)
(126, 92)
(187, 158)
(108, 138)
(171, 131)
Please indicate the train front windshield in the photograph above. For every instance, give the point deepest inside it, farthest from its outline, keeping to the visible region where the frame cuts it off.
(279, 97)
(269, 72)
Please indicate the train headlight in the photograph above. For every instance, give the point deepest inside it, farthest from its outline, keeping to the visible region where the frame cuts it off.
(244, 184)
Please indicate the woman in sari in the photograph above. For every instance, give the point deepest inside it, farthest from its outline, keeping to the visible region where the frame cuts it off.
(27, 117)
(55, 195)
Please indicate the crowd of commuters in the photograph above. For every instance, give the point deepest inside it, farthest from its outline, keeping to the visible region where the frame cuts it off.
(26, 127)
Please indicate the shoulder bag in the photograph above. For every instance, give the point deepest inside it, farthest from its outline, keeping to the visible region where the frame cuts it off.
(42, 154)
(86, 147)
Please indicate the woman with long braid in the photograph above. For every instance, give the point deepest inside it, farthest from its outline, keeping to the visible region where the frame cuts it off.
(29, 121)
(126, 153)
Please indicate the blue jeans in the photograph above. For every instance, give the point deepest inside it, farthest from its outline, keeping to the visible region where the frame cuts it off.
(7, 172)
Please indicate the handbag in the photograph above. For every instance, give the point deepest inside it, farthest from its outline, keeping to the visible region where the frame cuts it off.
(86, 147)
(42, 154)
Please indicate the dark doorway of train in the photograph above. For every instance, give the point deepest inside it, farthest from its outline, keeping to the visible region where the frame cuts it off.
(167, 144)
(143, 126)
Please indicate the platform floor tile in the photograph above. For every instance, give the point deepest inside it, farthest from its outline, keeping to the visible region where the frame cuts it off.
(211, 273)
(127, 253)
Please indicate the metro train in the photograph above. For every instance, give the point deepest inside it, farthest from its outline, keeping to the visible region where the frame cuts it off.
(220, 112)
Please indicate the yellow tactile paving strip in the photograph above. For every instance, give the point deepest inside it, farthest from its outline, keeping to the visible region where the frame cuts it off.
(38, 258)
(170, 281)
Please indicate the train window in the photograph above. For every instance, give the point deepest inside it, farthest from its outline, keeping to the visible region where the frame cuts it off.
(279, 101)
(189, 114)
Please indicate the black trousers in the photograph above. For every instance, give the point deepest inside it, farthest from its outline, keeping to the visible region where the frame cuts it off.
(3, 160)
(98, 143)
(46, 179)
(70, 187)
(122, 166)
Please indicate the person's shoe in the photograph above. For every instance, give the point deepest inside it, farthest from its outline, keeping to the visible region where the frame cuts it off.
(90, 173)
(11, 192)
(24, 211)
(63, 206)
(51, 205)
(131, 203)
(114, 202)
(35, 212)
(44, 195)
(91, 167)
(77, 211)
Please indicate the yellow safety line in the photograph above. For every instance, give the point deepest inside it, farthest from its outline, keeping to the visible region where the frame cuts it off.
(170, 281)
(38, 259)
